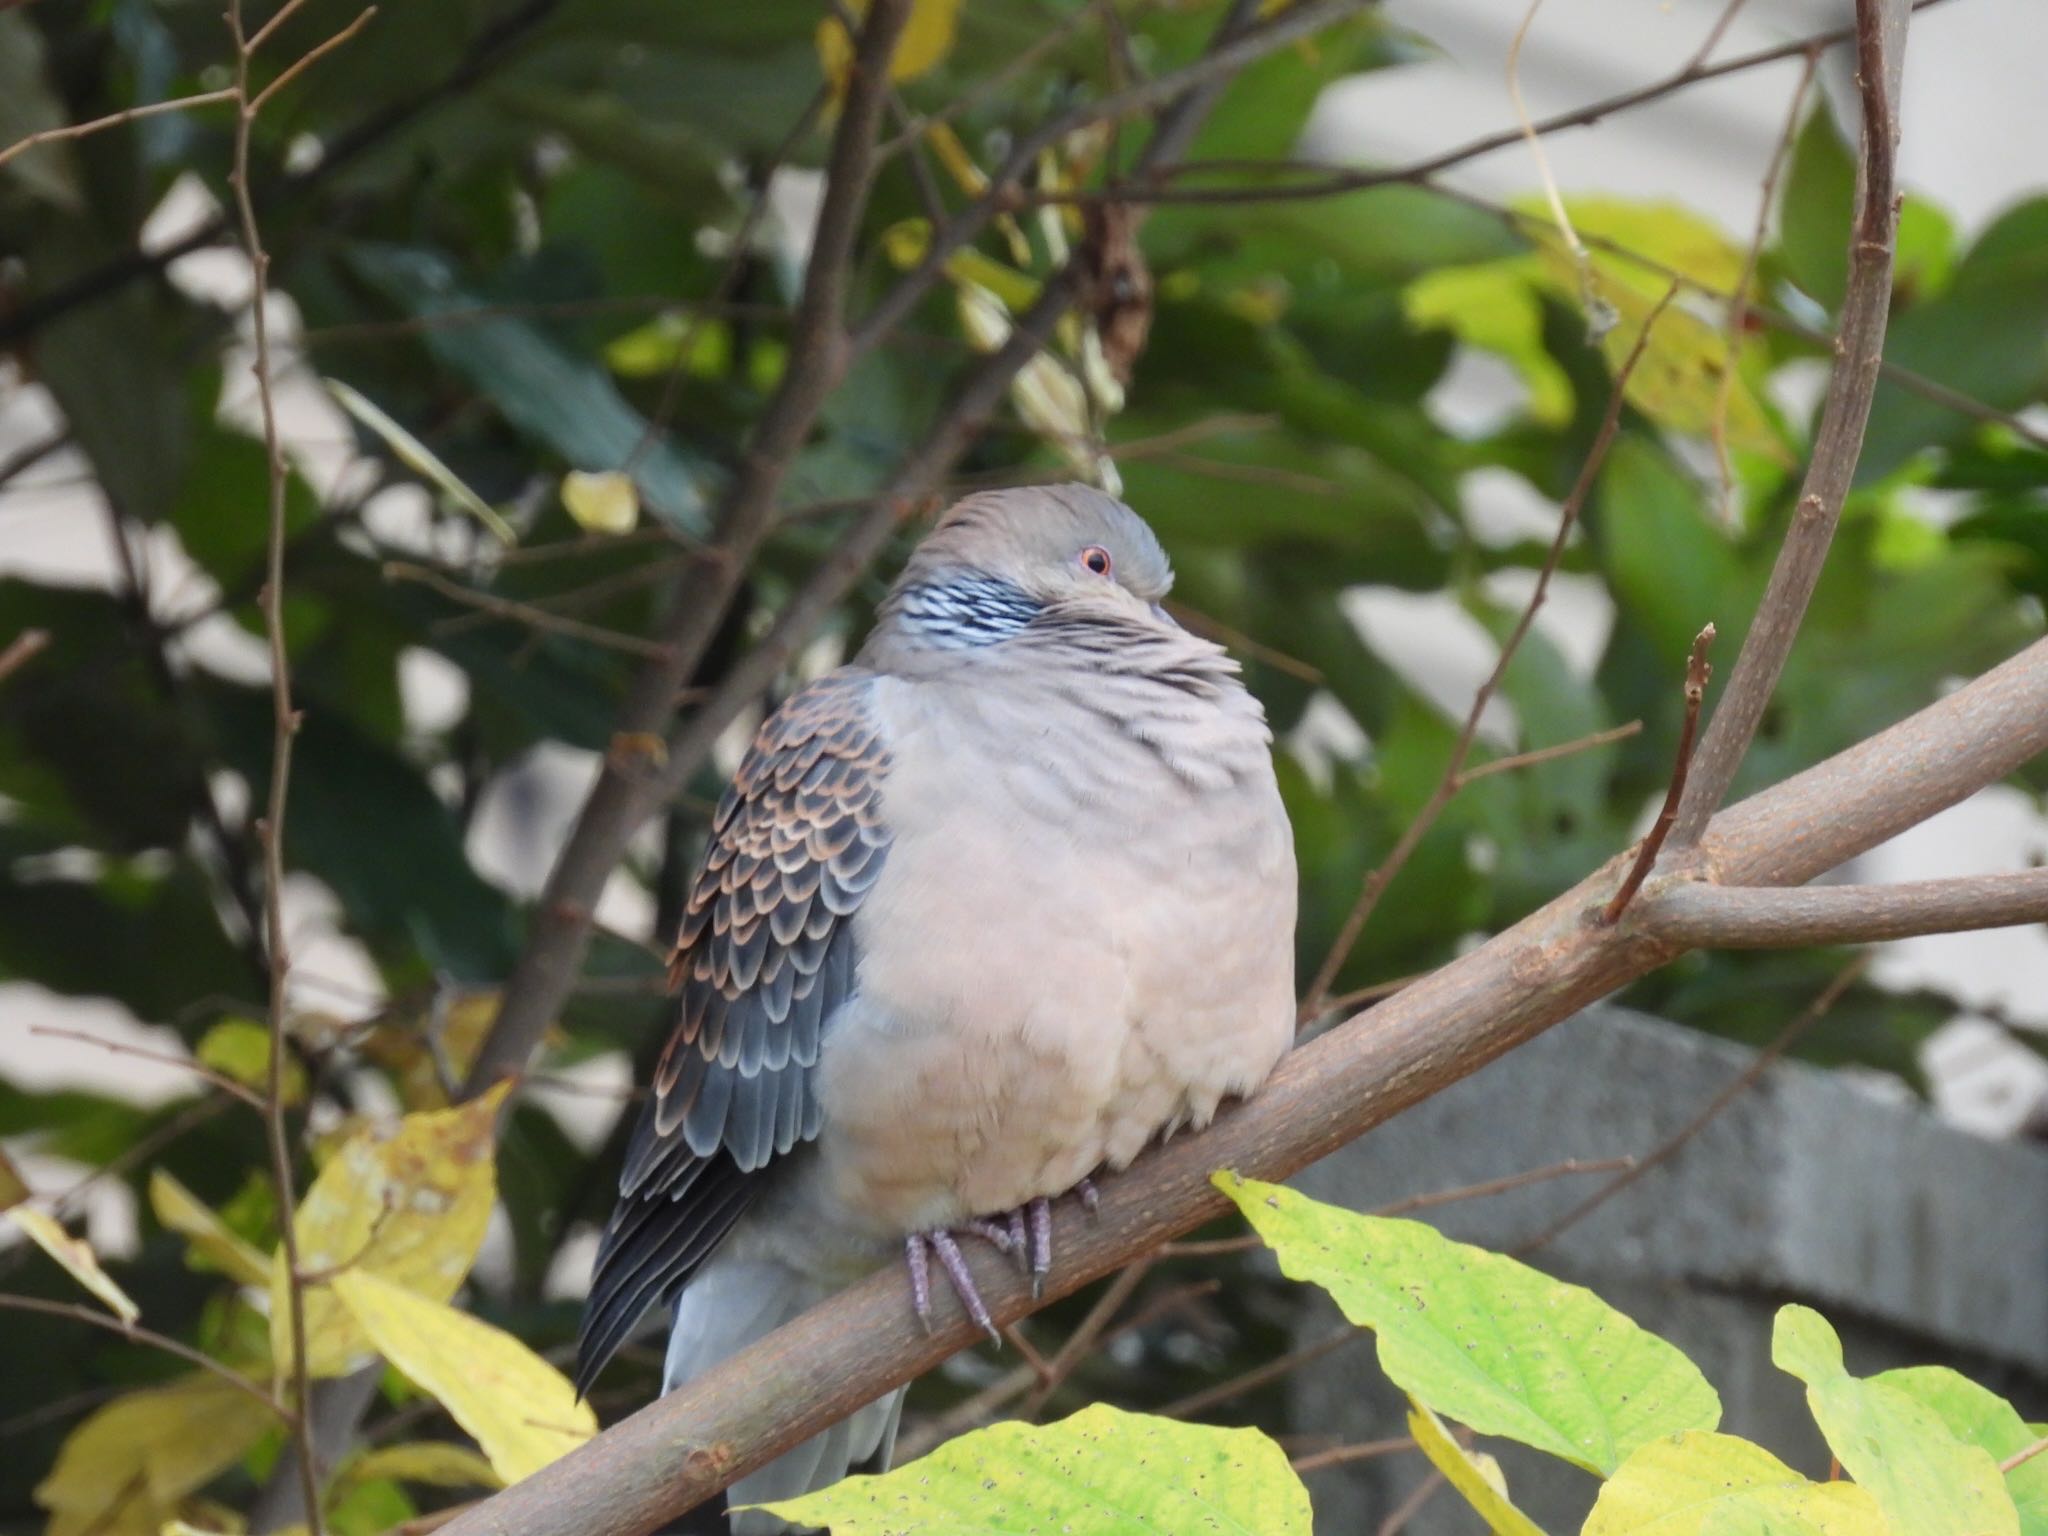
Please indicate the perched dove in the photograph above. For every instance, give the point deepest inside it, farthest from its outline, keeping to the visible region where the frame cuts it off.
(984, 912)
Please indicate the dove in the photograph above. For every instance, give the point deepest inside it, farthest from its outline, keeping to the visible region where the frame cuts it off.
(983, 913)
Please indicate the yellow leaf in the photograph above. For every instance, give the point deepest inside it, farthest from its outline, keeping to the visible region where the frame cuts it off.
(126, 1467)
(76, 1255)
(406, 1044)
(1678, 381)
(435, 1463)
(409, 1203)
(13, 1187)
(522, 1411)
(1702, 1484)
(927, 39)
(211, 1238)
(240, 1049)
(1474, 1474)
(601, 503)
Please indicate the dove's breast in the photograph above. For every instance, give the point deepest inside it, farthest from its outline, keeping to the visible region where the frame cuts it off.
(1082, 939)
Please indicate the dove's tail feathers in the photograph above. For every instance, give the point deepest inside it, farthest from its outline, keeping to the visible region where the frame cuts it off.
(725, 1308)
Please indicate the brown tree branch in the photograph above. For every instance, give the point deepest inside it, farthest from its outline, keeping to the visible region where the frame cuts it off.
(1837, 443)
(137, 1334)
(626, 791)
(865, 1341)
(1703, 916)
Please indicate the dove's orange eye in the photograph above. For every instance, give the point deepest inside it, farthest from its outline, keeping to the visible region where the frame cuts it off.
(1096, 559)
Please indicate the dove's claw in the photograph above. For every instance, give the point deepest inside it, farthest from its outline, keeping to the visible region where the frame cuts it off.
(1090, 1200)
(1040, 1247)
(918, 1248)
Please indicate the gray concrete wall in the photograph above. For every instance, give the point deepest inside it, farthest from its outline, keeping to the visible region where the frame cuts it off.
(1921, 1243)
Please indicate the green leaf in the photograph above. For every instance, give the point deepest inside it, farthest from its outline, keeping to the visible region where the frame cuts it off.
(1978, 1416)
(1483, 1339)
(1103, 1472)
(1670, 569)
(1814, 210)
(1475, 1475)
(1927, 1482)
(1701, 1484)
(28, 105)
(565, 401)
(1492, 307)
(240, 1049)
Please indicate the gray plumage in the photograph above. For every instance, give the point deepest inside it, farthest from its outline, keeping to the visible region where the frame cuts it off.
(984, 912)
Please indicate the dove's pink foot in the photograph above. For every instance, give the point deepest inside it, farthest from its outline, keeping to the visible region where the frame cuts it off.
(1025, 1231)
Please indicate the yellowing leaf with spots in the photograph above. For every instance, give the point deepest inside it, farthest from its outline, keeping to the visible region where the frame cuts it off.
(927, 39)
(407, 1202)
(522, 1411)
(1103, 1471)
(1699, 1484)
(1635, 249)
(1476, 1475)
(1485, 1340)
(426, 1049)
(1927, 1482)
(212, 1240)
(78, 1259)
(125, 1467)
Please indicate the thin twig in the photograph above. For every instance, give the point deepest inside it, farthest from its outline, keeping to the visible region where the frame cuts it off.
(1377, 881)
(1411, 1506)
(1697, 675)
(198, 1069)
(1342, 1455)
(523, 613)
(1837, 443)
(312, 58)
(284, 725)
(136, 1333)
(1715, 33)
(1738, 307)
(1083, 1338)
(1537, 756)
(1746, 1079)
(21, 650)
(2026, 1454)
(114, 120)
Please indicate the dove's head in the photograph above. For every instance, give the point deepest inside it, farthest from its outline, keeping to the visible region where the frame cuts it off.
(1000, 558)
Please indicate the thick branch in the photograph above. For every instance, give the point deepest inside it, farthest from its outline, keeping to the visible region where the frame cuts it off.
(684, 1447)
(626, 792)
(1702, 916)
(630, 788)
(1837, 443)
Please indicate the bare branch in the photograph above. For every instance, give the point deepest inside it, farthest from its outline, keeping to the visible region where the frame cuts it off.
(2024, 1455)
(284, 725)
(1703, 916)
(865, 1341)
(818, 357)
(137, 1334)
(1838, 442)
(1697, 675)
(114, 120)
(21, 650)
